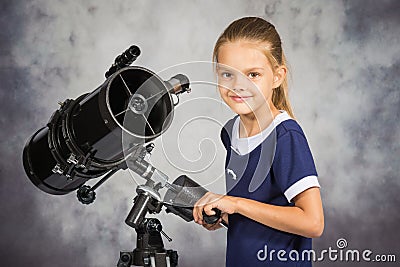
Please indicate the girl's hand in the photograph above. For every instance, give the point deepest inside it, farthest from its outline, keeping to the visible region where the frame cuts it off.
(213, 227)
(226, 204)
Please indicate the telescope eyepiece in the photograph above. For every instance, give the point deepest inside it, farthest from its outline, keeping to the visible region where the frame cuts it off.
(179, 84)
(124, 60)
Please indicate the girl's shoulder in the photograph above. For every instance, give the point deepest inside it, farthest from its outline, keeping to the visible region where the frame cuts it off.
(287, 126)
(226, 131)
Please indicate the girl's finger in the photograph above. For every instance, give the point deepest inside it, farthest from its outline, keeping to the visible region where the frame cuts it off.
(200, 215)
(208, 210)
(196, 214)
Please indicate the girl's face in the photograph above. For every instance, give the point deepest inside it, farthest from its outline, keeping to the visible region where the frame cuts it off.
(246, 79)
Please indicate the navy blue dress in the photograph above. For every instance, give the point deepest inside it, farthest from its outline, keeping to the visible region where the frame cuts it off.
(277, 169)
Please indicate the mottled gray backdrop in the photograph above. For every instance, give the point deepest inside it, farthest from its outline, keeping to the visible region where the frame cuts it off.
(345, 64)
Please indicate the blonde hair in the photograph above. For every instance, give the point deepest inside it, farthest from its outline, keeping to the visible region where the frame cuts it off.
(259, 30)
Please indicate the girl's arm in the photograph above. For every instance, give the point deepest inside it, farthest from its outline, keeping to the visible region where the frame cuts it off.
(305, 218)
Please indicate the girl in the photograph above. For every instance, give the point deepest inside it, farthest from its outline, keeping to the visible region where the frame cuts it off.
(273, 205)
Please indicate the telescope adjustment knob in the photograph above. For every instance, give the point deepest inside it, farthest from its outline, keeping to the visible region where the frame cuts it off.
(154, 226)
(86, 195)
(212, 219)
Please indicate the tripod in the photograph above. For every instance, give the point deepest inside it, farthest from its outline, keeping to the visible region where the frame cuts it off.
(149, 251)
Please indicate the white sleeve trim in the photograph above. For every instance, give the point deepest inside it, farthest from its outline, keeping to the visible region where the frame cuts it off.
(300, 186)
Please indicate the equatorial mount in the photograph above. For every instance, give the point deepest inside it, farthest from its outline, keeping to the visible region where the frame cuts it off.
(149, 249)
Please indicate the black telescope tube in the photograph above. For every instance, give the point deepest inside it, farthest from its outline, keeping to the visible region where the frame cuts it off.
(83, 139)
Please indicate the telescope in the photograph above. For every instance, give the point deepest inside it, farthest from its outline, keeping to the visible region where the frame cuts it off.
(111, 129)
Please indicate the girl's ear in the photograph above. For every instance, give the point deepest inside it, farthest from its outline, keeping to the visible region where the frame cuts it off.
(279, 76)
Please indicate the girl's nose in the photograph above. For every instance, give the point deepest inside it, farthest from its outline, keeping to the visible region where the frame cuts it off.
(241, 83)
(237, 89)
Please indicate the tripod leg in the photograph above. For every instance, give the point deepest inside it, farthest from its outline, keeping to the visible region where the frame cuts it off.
(171, 258)
(153, 261)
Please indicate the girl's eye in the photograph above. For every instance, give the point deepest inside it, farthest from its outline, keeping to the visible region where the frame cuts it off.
(226, 75)
(253, 75)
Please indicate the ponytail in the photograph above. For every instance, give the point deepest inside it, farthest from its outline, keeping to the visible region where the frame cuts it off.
(280, 95)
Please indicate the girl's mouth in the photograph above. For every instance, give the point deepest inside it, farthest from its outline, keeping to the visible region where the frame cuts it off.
(239, 99)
